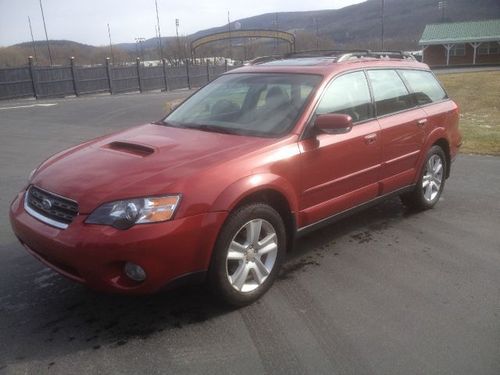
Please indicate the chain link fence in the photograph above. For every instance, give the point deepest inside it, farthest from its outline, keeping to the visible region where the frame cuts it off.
(44, 82)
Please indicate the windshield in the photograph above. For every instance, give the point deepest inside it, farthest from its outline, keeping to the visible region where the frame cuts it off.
(248, 104)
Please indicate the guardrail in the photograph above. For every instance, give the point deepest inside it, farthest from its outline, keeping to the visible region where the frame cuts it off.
(59, 81)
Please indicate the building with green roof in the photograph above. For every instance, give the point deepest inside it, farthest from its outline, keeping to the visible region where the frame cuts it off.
(461, 43)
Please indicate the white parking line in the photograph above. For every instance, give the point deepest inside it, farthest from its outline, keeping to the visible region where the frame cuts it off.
(30, 106)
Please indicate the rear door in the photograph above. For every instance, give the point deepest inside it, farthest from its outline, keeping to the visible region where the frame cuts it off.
(340, 171)
(431, 97)
(402, 125)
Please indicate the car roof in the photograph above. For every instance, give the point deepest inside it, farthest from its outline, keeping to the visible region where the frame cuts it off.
(326, 65)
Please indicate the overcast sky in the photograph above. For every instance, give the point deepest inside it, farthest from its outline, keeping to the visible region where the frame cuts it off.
(85, 20)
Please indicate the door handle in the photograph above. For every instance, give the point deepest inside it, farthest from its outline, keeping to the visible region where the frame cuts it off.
(422, 122)
(370, 138)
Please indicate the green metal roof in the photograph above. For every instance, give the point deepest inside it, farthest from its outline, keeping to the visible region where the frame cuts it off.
(461, 32)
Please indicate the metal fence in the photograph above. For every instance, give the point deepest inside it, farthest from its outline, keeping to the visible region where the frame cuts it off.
(60, 81)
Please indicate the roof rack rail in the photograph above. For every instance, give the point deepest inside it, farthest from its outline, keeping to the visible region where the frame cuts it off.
(264, 59)
(376, 55)
(337, 55)
(324, 53)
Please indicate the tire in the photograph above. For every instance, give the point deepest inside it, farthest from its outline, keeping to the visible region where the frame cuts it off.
(431, 181)
(247, 255)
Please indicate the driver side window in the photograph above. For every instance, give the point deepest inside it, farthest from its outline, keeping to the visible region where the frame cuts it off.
(348, 94)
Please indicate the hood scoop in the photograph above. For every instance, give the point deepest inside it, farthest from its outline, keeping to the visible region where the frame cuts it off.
(130, 148)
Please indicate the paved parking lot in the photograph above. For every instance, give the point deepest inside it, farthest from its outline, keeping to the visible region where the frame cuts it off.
(382, 292)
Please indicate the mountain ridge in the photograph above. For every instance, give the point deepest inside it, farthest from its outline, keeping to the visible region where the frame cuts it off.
(354, 26)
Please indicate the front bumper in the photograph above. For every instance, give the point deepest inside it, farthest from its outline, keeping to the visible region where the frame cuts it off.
(95, 254)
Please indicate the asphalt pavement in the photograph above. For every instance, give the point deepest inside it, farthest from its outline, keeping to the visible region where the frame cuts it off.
(385, 291)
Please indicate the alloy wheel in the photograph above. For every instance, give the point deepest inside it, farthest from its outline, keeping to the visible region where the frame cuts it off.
(433, 178)
(251, 255)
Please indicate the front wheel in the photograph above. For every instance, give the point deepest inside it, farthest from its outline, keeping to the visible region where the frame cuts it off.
(431, 182)
(248, 254)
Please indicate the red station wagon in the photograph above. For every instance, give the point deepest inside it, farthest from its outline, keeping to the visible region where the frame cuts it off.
(219, 188)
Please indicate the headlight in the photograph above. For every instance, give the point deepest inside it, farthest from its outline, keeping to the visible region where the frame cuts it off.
(126, 213)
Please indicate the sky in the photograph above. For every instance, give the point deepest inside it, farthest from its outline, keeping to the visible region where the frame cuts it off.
(85, 21)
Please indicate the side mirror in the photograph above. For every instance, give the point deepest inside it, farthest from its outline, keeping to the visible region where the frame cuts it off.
(333, 123)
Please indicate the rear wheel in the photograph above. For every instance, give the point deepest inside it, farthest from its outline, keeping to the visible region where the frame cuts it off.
(248, 254)
(431, 182)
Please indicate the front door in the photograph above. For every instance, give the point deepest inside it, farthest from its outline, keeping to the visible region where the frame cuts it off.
(340, 171)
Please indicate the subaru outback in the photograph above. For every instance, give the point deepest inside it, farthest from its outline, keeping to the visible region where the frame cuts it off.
(219, 189)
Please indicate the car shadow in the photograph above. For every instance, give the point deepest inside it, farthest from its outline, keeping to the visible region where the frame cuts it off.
(360, 228)
(43, 315)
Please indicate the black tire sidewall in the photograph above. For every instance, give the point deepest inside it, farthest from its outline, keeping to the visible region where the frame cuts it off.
(217, 275)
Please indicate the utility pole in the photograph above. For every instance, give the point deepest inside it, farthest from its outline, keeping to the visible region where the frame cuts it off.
(178, 40)
(159, 33)
(139, 41)
(230, 42)
(158, 41)
(317, 32)
(111, 46)
(32, 40)
(46, 35)
(382, 25)
(442, 5)
(276, 27)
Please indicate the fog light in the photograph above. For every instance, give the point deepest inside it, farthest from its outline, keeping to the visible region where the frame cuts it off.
(134, 271)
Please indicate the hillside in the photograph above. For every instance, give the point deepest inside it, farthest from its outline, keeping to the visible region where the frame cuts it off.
(359, 24)
(355, 26)
(61, 51)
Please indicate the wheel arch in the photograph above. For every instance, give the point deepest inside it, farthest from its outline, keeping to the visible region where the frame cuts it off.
(445, 146)
(265, 188)
(437, 137)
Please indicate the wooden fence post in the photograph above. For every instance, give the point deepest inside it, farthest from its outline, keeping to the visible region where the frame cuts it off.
(108, 73)
(187, 72)
(32, 76)
(164, 62)
(73, 75)
(138, 63)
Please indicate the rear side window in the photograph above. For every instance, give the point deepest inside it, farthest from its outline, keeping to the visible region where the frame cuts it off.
(426, 89)
(389, 92)
(348, 94)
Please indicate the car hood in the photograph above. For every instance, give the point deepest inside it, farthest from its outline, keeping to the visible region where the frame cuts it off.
(142, 161)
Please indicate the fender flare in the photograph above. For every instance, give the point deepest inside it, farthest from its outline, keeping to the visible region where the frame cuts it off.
(436, 134)
(229, 198)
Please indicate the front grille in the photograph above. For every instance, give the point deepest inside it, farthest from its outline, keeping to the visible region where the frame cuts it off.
(51, 206)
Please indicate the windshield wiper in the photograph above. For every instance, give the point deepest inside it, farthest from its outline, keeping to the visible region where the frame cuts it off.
(161, 122)
(215, 129)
